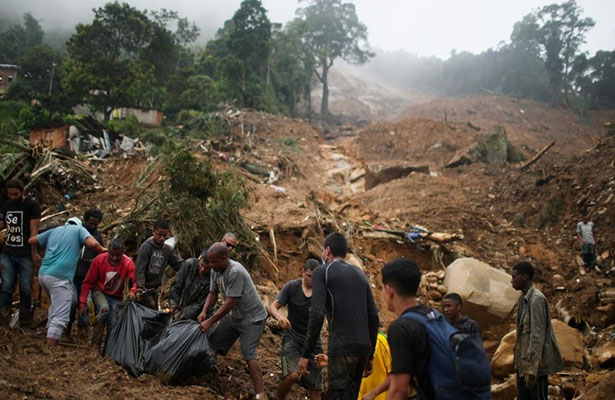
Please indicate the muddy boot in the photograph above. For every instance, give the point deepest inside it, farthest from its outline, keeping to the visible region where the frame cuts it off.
(5, 315)
(25, 320)
(97, 335)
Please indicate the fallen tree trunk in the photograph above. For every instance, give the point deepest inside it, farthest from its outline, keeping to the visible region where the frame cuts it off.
(536, 157)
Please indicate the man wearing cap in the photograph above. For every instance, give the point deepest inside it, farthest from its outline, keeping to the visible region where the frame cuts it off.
(63, 246)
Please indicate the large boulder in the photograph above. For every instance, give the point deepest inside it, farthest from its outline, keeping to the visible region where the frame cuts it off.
(382, 172)
(491, 148)
(506, 390)
(488, 297)
(570, 343)
(602, 389)
(502, 363)
(604, 356)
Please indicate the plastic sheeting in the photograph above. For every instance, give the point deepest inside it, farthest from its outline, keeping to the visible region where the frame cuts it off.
(182, 351)
(125, 344)
(145, 340)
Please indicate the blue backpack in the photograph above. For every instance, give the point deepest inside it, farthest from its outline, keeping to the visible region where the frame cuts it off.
(458, 365)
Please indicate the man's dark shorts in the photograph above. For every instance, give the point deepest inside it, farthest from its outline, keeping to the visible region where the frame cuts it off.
(291, 353)
(227, 332)
(345, 374)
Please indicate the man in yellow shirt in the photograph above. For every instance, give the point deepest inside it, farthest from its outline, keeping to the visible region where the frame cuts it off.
(376, 384)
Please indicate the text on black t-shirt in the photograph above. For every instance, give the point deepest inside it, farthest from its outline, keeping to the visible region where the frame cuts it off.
(16, 217)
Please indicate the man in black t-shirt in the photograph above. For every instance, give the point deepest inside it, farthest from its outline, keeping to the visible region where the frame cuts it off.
(297, 295)
(342, 293)
(21, 216)
(152, 259)
(407, 338)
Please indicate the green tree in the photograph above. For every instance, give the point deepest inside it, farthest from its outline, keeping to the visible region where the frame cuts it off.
(333, 31)
(556, 31)
(522, 73)
(101, 65)
(595, 77)
(39, 74)
(241, 53)
(124, 58)
(250, 36)
(17, 40)
(291, 67)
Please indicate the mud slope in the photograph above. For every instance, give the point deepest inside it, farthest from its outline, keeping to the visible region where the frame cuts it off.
(527, 122)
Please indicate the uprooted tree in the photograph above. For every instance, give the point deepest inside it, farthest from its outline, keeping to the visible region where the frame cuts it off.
(200, 203)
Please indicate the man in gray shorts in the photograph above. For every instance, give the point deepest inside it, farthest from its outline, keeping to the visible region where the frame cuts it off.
(242, 315)
(297, 295)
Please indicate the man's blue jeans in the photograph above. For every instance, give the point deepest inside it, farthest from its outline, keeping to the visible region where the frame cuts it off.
(104, 301)
(82, 321)
(12, 266)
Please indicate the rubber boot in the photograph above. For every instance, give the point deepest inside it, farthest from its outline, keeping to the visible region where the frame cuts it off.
(5, 315)
(25, 319)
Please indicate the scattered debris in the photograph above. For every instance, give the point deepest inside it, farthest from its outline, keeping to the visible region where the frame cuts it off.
(378, 173)
(537, 156)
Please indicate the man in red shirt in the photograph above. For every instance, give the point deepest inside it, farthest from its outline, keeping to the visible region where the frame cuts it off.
(106, 279)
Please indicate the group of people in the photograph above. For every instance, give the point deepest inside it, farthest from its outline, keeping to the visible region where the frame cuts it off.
(362, 361)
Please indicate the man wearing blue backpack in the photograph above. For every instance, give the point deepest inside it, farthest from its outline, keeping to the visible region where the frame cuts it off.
(428, 353)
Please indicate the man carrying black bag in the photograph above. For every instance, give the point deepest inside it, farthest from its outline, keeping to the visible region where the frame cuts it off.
(190, 288)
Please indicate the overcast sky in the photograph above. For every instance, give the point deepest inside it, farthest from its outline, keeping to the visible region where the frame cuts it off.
(423, 27)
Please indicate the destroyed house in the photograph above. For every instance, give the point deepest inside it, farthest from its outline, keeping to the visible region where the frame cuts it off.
(85, 135)
(8, 73)
(146, 117)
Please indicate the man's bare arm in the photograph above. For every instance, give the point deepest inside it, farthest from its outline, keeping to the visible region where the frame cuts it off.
(400, 385)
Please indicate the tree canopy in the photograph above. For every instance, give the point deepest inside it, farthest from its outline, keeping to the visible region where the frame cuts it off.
(130, 57)
(123, 56)
(332, 31)
(17, 40)
(556, 32)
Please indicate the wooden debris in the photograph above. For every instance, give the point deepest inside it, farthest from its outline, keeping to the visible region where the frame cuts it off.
(536, 157)
(275, 247)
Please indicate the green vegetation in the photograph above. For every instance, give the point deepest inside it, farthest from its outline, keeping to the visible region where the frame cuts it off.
(541, 61)
(126, 57)
(201, 203)
(291, 143)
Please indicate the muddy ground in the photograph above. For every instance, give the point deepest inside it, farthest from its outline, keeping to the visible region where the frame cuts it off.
(503, 214)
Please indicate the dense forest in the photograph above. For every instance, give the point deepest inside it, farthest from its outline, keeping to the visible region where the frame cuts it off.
(128, 57)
